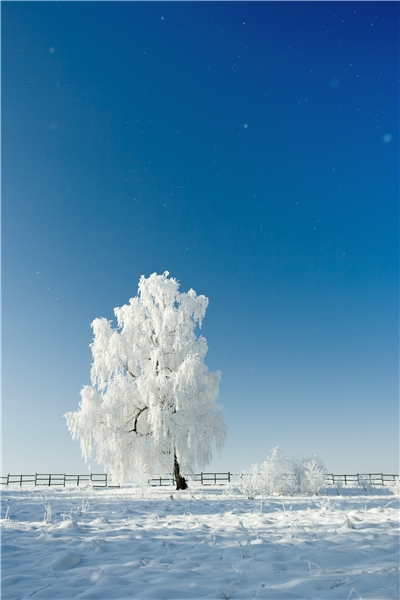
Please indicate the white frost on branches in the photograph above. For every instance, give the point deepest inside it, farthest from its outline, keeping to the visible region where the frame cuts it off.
(280, 475)
(313, 475)
(151, 395)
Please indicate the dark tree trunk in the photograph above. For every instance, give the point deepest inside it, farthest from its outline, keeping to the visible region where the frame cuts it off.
(179, 479)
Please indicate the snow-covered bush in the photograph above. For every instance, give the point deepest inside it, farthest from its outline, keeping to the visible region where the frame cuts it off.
(281, 475)
(250, 482)
(312, 475)
(365, 483)
(278, 474)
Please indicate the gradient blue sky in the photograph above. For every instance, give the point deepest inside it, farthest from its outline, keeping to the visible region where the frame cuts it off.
(250, 149)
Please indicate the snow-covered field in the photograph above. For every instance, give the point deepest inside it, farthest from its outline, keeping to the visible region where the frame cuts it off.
(201, 543)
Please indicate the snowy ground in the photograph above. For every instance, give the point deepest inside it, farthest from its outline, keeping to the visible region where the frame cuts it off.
(201, 543)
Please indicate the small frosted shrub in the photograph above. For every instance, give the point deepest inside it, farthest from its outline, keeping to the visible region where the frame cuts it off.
(277, 474)
(312, 475)
(365, 483)
(250, 482)
(280, 475)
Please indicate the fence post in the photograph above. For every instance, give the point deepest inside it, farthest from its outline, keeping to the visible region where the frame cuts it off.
(201, 478)
(345, 480)
(106, 480)
(8, 478)
(229, 477)
(35, 479)
(215, 478)
(64, 479)
(382, 479)
(20, 481)
(49, 479)
(77, 481)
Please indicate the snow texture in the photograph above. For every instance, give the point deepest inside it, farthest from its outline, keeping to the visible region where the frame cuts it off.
(151, 395)
(119, 544)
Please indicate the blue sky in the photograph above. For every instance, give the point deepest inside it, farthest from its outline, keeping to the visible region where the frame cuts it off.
(250, 149)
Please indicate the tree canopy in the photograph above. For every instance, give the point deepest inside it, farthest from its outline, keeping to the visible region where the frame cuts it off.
(152, 401)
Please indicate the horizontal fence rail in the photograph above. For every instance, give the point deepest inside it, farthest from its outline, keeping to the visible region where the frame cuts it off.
(60, 479)
(102, 480)
(203, 478)
(361, 479)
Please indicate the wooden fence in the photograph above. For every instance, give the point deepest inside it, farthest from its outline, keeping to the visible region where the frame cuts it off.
(203, 478)
(60, 479)
(361, 479)
(102, 480)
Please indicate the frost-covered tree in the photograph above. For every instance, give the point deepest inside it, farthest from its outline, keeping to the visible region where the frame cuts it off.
(152, 402)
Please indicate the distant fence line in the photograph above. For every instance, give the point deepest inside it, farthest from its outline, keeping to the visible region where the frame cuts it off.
(60, 479)
(102, 480)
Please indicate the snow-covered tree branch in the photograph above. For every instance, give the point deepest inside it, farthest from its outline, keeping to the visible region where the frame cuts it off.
(152, 400)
